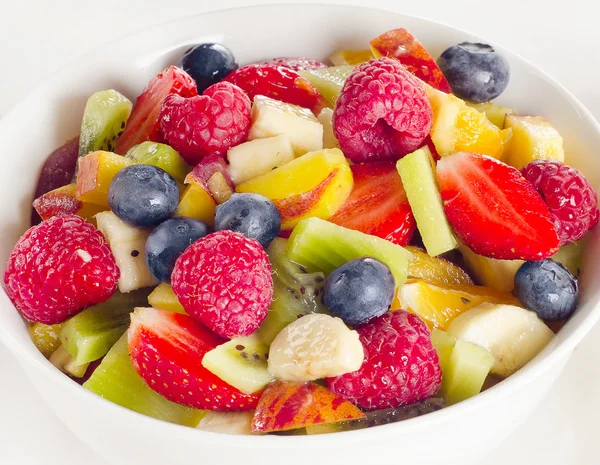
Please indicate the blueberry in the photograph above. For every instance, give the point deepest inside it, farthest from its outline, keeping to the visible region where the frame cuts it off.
(168, 241)
(476, 72)
(547, 288)
(359, 290)
(253, 215)
(208, 64)
(143, 195)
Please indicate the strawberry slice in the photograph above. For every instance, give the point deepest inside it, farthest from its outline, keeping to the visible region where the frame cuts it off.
(167, 349)
(143, 124)
(378, 204)
(494, 210)
(278, 83)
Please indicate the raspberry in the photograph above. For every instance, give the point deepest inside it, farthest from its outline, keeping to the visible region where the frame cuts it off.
(209, 123)
(382, 112)
(400, 366)
(572, 201)
(224, 281)
(296, 64)
(59, 267)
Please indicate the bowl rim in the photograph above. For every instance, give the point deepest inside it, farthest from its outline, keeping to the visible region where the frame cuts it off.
(523, 377)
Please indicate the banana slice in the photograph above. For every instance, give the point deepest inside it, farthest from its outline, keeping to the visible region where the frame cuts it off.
(326, 119)
(512, 334)
(315, 346)
(127, 244)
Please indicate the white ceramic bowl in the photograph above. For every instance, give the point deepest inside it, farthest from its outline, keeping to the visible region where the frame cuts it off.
(52, 114)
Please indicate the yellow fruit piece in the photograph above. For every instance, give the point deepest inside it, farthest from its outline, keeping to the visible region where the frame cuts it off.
(197, 203)
(314, 185)
(435, 269)
(533, 138)
(491, 272)
(45, 337)
(96, 171)
(350, 57)
(495, 113)
(163, 298)
(460, 128)
(439, 304)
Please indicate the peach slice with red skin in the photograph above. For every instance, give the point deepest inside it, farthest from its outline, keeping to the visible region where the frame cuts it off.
(402, 45)
(62, 201)
(291, 405)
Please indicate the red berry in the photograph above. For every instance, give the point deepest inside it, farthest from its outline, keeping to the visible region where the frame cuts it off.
(143, 123)
(378, 204)
(295, 63)
(167, 350)
(59, 267)
(400, 366)
(224, 280)
(278, 83)
(571, 198)
(494, 210)
(382, 112)
(210, 123)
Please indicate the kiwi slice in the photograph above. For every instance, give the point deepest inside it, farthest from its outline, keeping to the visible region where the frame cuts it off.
(162, 156)
(164, 298)
(90, 334)
(443, 343)
(116, 380)
(241, 362)
(104, 118)
(329, 81)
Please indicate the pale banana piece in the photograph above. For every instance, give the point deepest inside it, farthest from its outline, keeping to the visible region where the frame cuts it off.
(62, 360)
(127, 244)
(313, 347)
(499, 274)
(258, 156)
(326, 119)
(513, 335)
(271, 118)
(227, 422)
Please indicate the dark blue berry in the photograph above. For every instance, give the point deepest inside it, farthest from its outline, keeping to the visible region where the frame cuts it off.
(359, 291)
(253, 215)
(208, 64)
(168, 241)
(143, 195)
(547, 288)
(476, 72)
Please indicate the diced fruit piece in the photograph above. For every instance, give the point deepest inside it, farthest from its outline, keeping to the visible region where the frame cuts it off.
(350, 57)
(313, 347)
(96, 171)
(326, 119)
(204, 173)
(241, 362)
(495, 113)
(167, 349)
(208, 64)
(116, 380)
(219, 188)
(89, 335)
(402, 45)
(533, 138)
(289, 405)
(197, 203)
(227, 422)
(439, 304)
(512, 334)
(329, 81)
(323, 246)
(162, 156)
(143, 124)
(127, 244)
(164, 298)
(45, 337)
(435, 269)
(571, 256)
(271, 118)
(61, 359)
(314, 185)
(475, 71)
(494, 210)
(457, 127)
(63, 201)
(378, 204)
(104, 118)
(443, 343)
(418, 178)
(259, 156)
(491, 272)
(467, 369)
(295, 292)
(295, 63)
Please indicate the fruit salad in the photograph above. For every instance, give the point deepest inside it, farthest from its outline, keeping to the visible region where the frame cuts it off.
(302, 247)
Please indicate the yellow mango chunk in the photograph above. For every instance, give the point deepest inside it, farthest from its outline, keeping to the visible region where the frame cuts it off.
(197, 203)
(96, 171)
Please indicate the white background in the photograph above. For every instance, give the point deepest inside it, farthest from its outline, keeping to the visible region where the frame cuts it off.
(37, 37)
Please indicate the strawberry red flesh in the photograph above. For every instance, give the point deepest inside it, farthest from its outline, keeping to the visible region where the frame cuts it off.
(494, 210)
